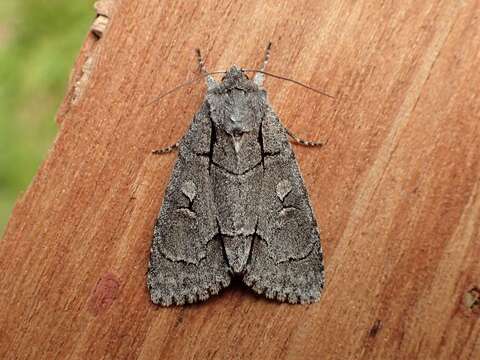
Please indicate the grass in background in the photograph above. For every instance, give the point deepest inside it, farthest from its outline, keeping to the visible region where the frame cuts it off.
(39, 40)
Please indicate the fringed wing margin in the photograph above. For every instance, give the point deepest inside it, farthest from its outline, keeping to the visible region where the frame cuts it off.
(187, 263)
(286, 261)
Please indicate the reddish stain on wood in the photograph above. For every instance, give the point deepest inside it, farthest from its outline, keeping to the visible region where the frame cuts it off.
(104, 294)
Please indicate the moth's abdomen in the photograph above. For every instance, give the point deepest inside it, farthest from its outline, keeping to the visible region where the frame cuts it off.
(237, 249)
(236, 199)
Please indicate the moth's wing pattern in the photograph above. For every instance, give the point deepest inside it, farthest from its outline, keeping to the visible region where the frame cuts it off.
(186, 258)
(286, 260)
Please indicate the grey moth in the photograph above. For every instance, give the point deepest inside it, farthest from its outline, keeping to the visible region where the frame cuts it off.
(236, 204)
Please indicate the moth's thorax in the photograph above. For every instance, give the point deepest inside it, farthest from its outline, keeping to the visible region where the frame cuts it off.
(236, 103)
(237, 107)
(236, 111)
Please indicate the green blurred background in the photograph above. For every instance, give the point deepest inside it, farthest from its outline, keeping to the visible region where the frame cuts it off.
(39, 40)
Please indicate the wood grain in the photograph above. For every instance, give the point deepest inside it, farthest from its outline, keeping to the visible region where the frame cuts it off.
(396, 191)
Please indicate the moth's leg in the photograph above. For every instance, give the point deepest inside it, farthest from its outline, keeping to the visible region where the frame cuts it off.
(260, 76)
(300, 141)
(167, 149)
(211, 83)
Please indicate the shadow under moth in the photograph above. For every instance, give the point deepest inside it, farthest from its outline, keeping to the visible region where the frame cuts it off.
(236, 204)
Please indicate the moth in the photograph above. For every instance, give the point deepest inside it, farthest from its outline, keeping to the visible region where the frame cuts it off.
(236, 204)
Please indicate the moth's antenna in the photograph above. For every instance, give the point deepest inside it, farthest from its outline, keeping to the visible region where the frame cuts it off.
(291, 80)
(201, 66)
(259, 78)
(186, 83)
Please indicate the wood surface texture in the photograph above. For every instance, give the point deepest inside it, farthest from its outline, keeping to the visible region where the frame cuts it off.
(396, 191)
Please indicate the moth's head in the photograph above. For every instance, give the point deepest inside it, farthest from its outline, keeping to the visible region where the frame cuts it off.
(236, 78)
(236, 103)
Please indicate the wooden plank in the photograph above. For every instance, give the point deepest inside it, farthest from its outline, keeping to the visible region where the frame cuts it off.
(396, 190)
